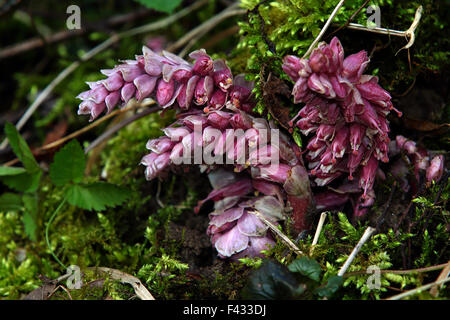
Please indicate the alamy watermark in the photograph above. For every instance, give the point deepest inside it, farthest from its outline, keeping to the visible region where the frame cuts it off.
(74, 280)
(374, 280)
(232, 146)
(73, 22)
(374, 20)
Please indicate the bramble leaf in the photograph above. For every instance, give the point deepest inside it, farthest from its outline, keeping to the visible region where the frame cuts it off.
(272, 281)
(30, 216)
(307, 267)
(96, 196)
(11, 171)
(20, 148)
(68, 164)
(166, 6)
(10, 201)
(24, 182)
(331, 287)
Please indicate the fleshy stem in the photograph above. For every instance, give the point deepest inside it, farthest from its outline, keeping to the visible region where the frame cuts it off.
(47, 228)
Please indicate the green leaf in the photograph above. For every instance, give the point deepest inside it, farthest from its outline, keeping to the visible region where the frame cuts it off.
(68, 164)
(96, 196)
(30, 216)
(307, 267)
(10, 201)
(20, 148)
(272, 281)
(166, 6)
(331, 287)
(11, 171)
(24, 182)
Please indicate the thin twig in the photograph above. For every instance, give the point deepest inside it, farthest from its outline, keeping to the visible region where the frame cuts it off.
(140, 290)
(37, 42)
(389, 32)
(207, 25)
(324, 29)
(323, 216)
(56, 289)
(88, 55)
(283, 237)
(409, 34)
(108, 133)
(367, 234)
(419, 270)
(350, 19)
(443, 275)
(417, 290)
(75, 134)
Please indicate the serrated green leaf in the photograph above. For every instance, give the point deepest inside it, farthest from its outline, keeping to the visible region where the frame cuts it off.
(30, 216)
(29, 226)
(10, 201)
(68, 164)
(307, 267)
(331, 287)
(11, 171)
(24, 182)
(272, 281)
(96, 196)
(20, 148)
(166, 6)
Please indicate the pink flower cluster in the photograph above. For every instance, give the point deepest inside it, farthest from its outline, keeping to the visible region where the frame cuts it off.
(250, 152)
(234, 231)
(416, 157)
(345, 112)
(200, 91)
(166, 78)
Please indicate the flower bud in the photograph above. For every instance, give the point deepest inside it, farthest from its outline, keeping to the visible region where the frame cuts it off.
(435, 170)
(354, 65)
(165, 91)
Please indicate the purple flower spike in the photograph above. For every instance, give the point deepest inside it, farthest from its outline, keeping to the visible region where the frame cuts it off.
(165, 78)
(344, 115)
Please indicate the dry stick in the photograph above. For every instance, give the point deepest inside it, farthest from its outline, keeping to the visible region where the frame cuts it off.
(443, 275)
(88, 55)
(324, 29)
(350, 19)
(37, 42)
(407, 34)
(417, 290)
(77, 133)
(367, 234)
(120, 125)
(140, 290)
(220, 36)
(318, 230)
(277, 231)
(419, 270)
(207, 25)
